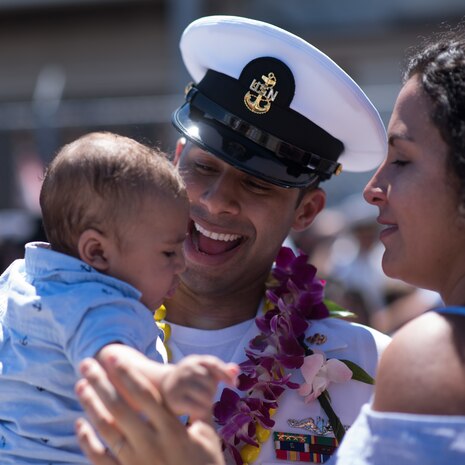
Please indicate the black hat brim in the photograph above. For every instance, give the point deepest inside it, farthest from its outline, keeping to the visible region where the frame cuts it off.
(238, 151)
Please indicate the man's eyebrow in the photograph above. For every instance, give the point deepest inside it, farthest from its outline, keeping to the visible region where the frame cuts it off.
(393, 137)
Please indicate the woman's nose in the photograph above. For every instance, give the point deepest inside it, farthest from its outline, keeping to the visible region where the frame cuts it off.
(373, 193)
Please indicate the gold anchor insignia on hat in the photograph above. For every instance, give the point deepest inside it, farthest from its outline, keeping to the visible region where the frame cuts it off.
(258, 99)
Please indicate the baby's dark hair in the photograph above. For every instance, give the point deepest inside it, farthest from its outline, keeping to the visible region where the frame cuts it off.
(99, 181)
(439, 64)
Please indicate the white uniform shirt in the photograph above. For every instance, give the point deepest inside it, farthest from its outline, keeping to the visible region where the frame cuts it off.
(344, 340)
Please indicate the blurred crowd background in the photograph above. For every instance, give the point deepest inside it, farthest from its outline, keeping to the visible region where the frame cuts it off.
(68, 67)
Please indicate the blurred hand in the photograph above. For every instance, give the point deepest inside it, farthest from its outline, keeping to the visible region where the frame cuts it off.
(128, 412)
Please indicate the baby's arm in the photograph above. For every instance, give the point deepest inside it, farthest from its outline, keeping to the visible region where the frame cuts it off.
(126, 355)
(188, 387)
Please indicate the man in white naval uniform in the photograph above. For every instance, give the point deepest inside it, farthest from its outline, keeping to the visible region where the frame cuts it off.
(267, 118)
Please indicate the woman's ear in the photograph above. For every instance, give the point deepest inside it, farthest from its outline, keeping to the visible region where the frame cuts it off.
(311, 204)
(180, 144)
(92, 248)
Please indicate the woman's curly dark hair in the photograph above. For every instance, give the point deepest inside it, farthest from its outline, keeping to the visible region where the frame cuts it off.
(440, 65)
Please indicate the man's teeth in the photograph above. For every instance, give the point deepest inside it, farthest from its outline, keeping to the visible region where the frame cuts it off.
(216, 236)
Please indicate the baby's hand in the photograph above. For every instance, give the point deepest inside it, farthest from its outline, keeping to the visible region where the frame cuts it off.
(189, 387)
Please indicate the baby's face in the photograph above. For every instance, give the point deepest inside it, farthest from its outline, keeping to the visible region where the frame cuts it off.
(151, 253)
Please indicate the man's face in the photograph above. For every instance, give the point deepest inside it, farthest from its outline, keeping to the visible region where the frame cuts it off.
(238, 223)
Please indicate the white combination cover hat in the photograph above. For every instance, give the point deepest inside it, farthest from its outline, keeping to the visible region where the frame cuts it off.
(274, 106)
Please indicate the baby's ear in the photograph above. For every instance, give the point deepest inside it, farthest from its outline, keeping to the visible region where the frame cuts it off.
(92, 248)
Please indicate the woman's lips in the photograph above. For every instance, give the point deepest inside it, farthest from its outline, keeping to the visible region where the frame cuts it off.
(387, 231)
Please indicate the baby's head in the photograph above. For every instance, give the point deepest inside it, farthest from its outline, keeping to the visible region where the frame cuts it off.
(112, 201)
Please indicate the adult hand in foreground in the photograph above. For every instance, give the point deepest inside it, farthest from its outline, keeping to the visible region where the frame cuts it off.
(128, 413)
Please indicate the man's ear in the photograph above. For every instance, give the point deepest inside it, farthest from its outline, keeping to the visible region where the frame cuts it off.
(311, 204)
(92, 248)
(180, 144)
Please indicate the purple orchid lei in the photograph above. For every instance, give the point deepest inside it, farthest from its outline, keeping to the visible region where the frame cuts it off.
(294, 295)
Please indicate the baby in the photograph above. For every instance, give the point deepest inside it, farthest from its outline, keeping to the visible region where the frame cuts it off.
(115, 214)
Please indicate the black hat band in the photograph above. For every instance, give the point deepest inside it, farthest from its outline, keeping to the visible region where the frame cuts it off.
(323, 167)
(281, 121)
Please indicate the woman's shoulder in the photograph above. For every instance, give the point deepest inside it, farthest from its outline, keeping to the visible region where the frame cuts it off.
(423, 369)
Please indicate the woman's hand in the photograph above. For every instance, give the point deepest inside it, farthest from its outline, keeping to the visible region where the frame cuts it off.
(128, 413)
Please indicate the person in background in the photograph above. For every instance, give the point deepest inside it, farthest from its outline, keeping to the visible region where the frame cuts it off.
(404, 302)
(267, 119)
(418, 411)
(115, 213)
(357, 257)
(317, 242)
(17, 227)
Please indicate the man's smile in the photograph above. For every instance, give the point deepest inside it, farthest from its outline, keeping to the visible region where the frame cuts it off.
(212, 242)
(216, 236)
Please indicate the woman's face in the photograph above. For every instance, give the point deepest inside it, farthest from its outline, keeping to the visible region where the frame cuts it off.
(422, 233)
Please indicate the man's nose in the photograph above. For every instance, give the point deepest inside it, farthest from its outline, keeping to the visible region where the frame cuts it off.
(222, 195)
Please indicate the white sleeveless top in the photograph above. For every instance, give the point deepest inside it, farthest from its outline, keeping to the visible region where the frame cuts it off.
(389, 438)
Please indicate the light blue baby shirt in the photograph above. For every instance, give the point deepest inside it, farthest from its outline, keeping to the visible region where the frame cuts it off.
(56, 310)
